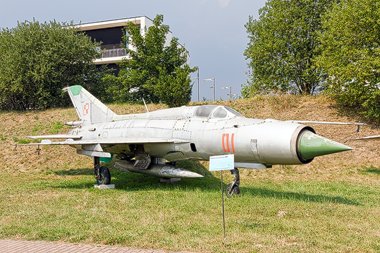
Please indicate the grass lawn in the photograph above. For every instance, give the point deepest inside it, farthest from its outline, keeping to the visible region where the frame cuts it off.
(269, 215)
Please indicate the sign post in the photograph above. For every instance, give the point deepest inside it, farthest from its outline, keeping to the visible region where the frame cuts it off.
(222, 162)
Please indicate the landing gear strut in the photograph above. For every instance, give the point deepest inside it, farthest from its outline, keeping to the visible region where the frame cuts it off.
(232, 189)
(102, 174)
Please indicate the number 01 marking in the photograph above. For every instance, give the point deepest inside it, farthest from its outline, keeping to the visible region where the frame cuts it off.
(226, 143)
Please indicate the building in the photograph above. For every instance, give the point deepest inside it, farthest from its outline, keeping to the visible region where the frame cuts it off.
(110, 33)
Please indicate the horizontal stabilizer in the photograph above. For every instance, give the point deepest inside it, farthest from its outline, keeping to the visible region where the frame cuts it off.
(49, 142)
(56, 136)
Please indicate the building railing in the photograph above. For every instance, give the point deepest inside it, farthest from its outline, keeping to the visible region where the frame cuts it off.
(114, 52)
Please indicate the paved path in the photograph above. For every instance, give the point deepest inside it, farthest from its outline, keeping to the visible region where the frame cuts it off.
(14, 246)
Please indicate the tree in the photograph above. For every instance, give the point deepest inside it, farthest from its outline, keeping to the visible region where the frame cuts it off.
(283, 43)
(350, 46)
(170, 88)
(153, 69)
(39, 59)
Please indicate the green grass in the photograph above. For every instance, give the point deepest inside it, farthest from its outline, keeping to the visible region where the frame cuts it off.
(56, 127)
(284, 216)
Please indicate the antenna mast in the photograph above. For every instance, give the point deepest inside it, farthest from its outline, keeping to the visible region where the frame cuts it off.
(146, 107)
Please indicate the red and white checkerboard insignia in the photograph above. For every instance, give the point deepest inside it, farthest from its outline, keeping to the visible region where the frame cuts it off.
(86, 109)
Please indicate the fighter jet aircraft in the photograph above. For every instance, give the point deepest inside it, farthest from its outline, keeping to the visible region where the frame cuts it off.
(152, 142)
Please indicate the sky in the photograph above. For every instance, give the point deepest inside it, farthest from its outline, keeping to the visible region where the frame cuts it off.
(211, 30)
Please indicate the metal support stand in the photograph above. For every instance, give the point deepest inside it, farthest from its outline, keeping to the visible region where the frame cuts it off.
(96, 167)
(224, 220)
(223, 162)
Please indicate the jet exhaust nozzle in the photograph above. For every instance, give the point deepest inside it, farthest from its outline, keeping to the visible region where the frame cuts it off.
(311, 145)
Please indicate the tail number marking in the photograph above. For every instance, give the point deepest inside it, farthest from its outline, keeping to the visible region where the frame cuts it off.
(226, 143)
(86, 108)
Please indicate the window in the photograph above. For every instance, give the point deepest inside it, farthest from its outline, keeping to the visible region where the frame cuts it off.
(233, 111)
(220, 112)
(204, 111)
(217, 112)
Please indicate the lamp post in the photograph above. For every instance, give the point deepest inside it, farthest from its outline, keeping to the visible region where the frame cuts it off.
(198, 83)
(213, 86)
(230, 94)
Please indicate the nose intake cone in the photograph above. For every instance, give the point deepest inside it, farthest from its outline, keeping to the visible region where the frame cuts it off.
(312, 145)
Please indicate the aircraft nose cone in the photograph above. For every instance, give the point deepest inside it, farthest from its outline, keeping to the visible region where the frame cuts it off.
(312, 145)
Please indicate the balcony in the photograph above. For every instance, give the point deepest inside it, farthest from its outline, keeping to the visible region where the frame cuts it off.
(118, 52)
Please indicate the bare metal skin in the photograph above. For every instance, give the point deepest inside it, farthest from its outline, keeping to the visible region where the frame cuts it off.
(152, 142)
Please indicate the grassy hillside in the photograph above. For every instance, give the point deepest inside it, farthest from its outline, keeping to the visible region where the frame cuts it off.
(331, 204)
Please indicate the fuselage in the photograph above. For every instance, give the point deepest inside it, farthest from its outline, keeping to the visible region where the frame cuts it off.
(198, 132)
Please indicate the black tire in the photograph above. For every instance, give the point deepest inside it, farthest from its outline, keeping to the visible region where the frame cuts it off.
(228, 189)
(104, 176)
(235, 190)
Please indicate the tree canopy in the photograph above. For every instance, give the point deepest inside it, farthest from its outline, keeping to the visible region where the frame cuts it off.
(155, 70)
(39, 59)
(282, 46)
(350, 46)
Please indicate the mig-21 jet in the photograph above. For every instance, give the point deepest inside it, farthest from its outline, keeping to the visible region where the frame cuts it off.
(152, 142)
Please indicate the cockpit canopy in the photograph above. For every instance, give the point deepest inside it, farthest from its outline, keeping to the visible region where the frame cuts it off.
(216, 112)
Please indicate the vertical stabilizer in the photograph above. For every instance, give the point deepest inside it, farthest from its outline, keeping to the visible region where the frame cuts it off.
(90, 110)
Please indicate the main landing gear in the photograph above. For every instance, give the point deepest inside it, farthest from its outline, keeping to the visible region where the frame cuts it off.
(102, 174)
(232, 189)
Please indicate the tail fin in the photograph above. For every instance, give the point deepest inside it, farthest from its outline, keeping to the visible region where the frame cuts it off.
(90, 110)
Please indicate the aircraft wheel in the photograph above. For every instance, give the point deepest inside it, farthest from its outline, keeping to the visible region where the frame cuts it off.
(104, 176)
(231, 193)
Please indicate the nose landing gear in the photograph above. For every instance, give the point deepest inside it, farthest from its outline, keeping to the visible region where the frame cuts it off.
(232, 189)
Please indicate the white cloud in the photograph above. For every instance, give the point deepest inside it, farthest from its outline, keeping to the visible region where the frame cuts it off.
(224, 3)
